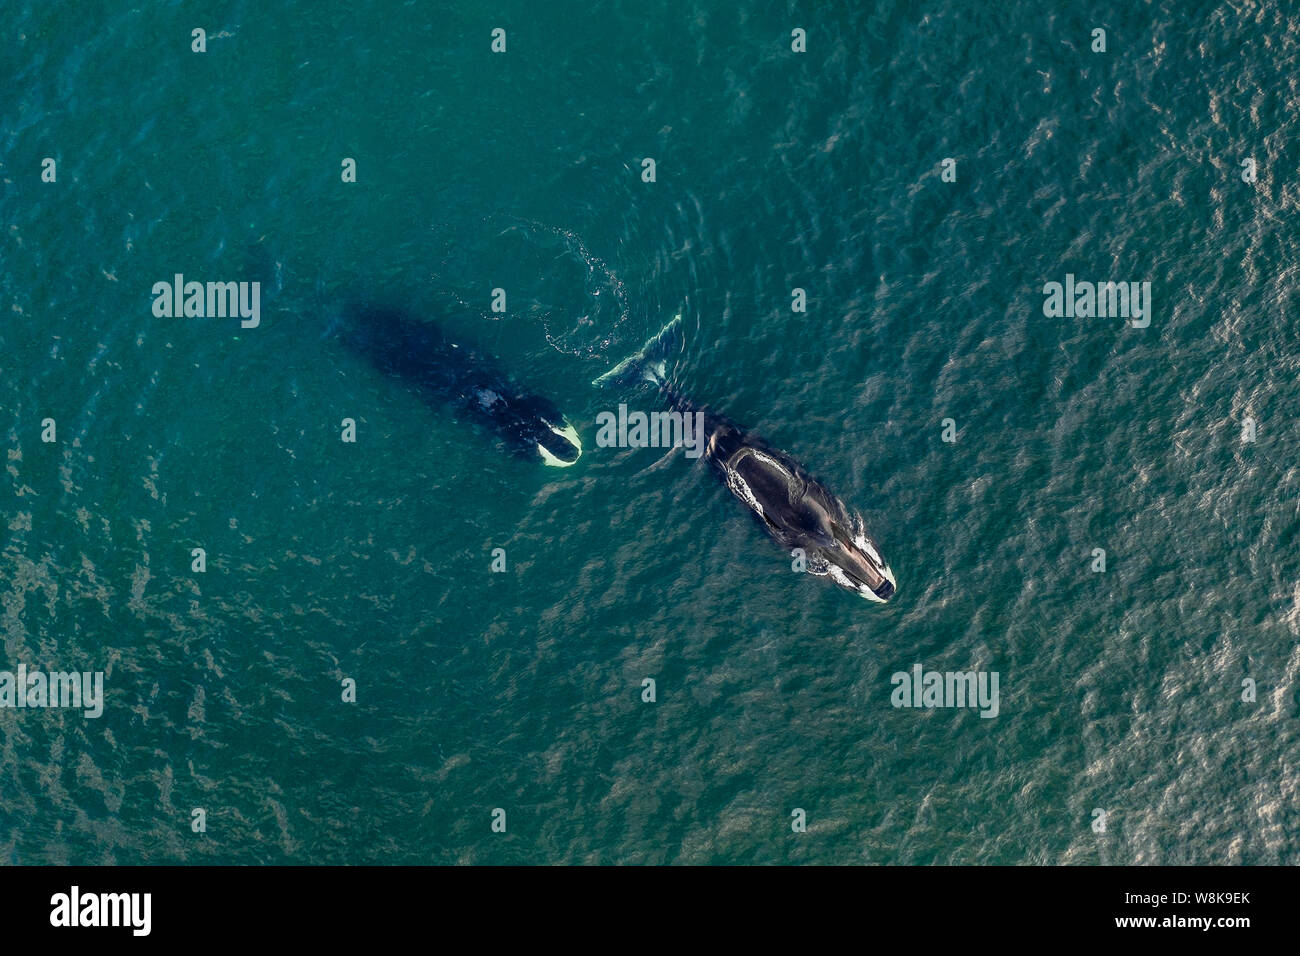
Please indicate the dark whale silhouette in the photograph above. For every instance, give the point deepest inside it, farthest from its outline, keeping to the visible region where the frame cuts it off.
(795, 508)
(456, 374)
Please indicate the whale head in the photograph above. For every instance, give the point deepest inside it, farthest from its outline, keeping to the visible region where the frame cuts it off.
(856, 565)
(800, 512)
(558, 445)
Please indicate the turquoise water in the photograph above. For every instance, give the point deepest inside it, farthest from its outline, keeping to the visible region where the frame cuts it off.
(1120, 690)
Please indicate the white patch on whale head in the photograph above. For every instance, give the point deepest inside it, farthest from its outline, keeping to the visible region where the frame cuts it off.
(768, 459)
(843, 580)
(864, 544)
(569, 433)
(741, 490)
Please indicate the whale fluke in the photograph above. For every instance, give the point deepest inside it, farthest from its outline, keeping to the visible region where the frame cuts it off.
(647, 364)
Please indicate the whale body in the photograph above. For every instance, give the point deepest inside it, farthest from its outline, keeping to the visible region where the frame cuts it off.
(795, 508)
(456, 374)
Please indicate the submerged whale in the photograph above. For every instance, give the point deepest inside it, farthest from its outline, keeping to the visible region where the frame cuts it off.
(796, 509)
(451, 373)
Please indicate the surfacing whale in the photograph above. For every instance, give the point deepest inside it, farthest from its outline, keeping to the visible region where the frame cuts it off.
(456, 374)
(797, 510)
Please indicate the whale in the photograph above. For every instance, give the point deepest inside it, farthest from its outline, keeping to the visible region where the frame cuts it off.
(796, 509)
(450, 373)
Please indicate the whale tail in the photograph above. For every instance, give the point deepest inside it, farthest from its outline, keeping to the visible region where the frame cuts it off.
(649, 363)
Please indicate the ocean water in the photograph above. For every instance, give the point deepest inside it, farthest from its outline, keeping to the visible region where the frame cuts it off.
(1120, 691)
